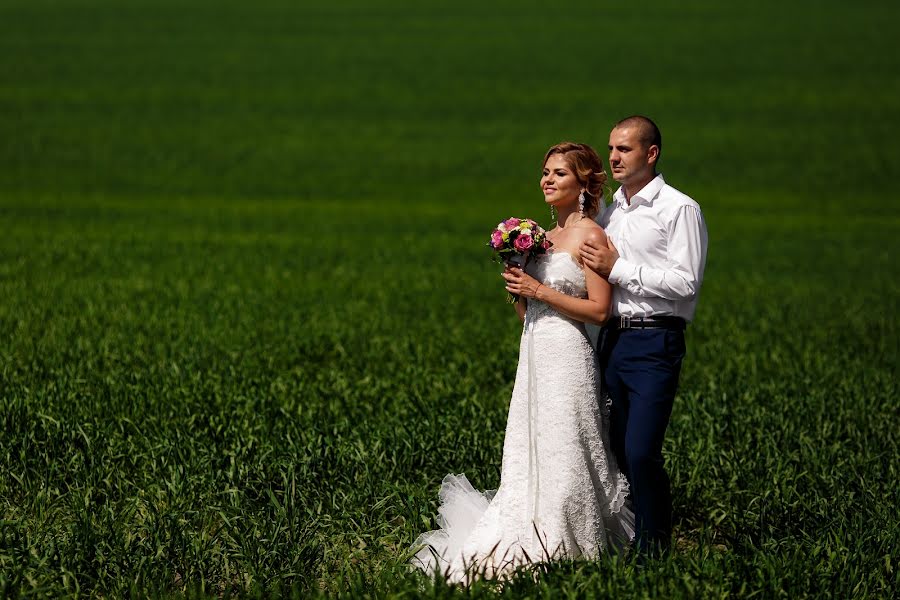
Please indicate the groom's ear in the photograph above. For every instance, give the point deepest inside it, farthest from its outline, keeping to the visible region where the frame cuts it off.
(652, 154)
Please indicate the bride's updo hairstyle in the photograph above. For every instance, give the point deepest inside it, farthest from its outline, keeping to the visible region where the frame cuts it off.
(588, 168)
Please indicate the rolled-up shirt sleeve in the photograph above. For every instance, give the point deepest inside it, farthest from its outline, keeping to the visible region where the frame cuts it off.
(686, 258)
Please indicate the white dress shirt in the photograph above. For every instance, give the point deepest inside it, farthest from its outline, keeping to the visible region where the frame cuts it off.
(661, 238)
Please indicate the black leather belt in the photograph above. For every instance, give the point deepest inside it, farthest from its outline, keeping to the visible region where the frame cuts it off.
(666, 322)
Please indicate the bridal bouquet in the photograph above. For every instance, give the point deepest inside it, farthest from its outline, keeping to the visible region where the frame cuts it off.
(514, 241)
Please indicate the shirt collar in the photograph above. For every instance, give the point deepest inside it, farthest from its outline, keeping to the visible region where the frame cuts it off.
(645, 195)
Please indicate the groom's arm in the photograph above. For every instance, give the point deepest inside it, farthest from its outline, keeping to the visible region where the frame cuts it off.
(680, 279)
(686, 258)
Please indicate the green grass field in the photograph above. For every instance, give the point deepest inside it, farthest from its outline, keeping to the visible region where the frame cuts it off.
(248, 319)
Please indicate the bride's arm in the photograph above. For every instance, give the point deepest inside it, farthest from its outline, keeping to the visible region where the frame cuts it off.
(594, 309)
(522, 305)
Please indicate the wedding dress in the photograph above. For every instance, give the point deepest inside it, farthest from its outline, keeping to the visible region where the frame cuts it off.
(561, 494)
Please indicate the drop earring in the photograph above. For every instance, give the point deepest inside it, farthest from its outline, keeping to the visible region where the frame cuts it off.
(581, 202)
(553, 216)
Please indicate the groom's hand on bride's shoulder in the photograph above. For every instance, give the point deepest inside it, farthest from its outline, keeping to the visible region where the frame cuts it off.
(598, 256)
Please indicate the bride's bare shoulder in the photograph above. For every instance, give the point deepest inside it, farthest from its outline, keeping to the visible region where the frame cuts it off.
(588, 230)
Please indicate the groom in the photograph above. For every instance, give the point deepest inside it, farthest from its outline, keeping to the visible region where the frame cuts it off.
(655, 260)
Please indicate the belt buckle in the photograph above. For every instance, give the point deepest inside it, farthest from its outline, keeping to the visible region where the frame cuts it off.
(624, 322)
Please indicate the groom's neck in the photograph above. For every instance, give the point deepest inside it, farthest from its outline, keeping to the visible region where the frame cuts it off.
(633, 188)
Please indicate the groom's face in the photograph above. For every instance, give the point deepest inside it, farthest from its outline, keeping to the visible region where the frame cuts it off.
(628, 158)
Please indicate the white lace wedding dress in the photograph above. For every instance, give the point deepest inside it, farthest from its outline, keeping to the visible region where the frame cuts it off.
(561, 494)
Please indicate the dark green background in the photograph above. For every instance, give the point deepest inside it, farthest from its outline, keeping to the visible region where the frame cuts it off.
(249, 320)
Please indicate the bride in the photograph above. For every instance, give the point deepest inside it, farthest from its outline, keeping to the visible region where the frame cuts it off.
(561, 494)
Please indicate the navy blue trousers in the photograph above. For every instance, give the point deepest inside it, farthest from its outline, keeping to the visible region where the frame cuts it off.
(640, 369)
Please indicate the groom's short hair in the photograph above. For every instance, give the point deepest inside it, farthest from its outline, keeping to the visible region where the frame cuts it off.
(648, 132)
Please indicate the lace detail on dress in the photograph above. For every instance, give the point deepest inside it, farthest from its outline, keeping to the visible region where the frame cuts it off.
(565, 276)
(561, 493)
(560, 271)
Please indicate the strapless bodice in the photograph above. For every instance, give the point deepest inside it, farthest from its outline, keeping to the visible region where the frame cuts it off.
(560, 271)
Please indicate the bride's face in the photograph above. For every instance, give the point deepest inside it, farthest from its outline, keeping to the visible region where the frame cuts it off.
(559, 184)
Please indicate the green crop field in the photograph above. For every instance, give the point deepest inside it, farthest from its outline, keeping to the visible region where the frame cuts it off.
(248, 319)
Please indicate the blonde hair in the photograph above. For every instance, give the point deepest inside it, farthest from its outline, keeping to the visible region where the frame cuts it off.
(588, 168)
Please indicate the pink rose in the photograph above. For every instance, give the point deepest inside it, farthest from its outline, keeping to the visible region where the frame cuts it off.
(512, 223)
(523, 243)
(496, 239)
(546, 245)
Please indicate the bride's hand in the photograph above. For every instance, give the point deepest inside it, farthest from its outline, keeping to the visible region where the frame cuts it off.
(520, 283)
